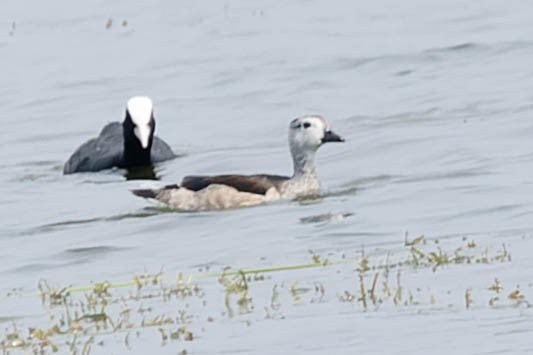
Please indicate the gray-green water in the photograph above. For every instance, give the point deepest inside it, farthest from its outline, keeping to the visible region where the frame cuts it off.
(435, 100)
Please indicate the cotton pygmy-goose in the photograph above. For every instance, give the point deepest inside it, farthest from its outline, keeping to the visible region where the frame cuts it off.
(205, 193)
(128, 144)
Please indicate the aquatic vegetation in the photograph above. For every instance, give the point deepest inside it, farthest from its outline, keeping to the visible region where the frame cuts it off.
(176, 309)
(237, 285)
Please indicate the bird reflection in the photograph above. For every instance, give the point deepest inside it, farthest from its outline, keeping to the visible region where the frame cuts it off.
(141, 173)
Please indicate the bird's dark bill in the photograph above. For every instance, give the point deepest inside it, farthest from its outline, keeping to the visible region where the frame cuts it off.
(331, 136)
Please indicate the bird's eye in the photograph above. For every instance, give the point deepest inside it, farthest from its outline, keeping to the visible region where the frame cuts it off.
(298, 125)
(307, 125)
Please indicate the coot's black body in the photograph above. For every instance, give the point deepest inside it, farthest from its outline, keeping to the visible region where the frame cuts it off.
(124, 145)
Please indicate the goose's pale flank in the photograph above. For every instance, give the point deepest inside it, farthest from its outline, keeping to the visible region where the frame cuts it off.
(125, 145)
(205, 193)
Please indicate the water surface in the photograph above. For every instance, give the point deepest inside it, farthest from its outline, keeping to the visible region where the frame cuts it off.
(434, 99)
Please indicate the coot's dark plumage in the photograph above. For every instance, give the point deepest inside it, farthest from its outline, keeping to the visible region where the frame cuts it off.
(125, 145)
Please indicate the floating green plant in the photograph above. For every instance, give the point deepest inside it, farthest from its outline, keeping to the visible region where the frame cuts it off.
(79, 318)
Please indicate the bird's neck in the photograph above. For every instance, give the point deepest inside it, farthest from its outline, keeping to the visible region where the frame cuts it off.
(304, 180)
(304, 163)
(134, 153)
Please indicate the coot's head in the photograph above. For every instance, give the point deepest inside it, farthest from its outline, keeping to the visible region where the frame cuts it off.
(139, 123)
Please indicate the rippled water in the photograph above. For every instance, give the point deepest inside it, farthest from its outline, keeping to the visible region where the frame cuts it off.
(435, 100)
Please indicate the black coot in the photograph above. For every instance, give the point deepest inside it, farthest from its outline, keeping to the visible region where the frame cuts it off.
(129, 144)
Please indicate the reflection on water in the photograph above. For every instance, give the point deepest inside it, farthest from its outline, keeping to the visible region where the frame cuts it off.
(326, 218)
(141, 173)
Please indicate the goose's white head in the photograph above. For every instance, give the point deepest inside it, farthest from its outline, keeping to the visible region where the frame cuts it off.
(307, 133)
(140, 111)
